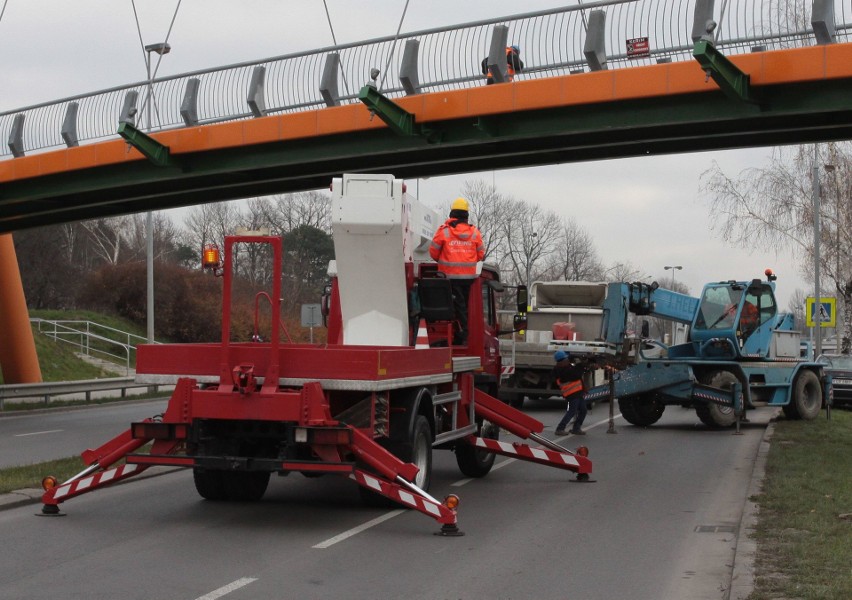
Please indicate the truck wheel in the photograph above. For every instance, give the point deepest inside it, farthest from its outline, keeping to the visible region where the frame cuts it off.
(807, 397)
(513, 399)
(210, 485)
(417, 450)
(714, 415)
(473, 461)
(641, 411)
(245, 486)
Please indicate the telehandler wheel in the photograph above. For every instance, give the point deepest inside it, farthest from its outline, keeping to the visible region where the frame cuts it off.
(807, 397)
(245, 486)
(475, 462)
(714, 415)
(641, 411)
(210, 485)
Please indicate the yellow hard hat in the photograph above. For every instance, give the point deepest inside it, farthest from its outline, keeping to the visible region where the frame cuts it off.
(460, 204)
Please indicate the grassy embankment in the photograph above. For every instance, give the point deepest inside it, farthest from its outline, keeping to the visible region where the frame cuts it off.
(59, 362)
(804, 532)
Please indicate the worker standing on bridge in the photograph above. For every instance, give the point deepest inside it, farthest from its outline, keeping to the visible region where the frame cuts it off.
(457, 246)
(569, 377)
(514, 64)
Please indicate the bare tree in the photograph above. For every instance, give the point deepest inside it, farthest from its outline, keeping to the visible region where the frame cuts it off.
(106, 237)
(797, 307)
(575, 257)
(531, 236)
(623, 271)
(773, 207)
(289, 211)
(490, 211)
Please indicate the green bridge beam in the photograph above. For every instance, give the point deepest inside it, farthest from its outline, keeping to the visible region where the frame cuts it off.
(803, 113)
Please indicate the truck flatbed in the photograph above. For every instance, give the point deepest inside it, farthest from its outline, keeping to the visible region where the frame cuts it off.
(335, 367)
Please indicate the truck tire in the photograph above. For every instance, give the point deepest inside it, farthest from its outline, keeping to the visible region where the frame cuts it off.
(641, 411)
(807, 397)
(513, 399)
(245, 486)
(714, 415)
(475, 462)
(210, 485)
(417, 450)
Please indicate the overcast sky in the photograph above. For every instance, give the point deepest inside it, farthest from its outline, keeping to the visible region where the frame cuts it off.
(643, 210)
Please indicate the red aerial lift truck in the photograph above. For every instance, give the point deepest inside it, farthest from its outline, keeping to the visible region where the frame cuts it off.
(370, 404)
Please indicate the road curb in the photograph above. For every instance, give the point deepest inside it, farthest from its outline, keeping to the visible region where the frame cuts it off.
(745, 552)
(33, 496)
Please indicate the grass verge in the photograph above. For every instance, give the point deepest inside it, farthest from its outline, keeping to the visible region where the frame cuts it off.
(805, 520)
(30, 476)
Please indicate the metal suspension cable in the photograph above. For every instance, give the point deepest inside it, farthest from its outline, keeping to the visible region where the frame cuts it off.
(393, 45)
(334, 41)
(2, 12)
(583, 16)
(721, 20)
(168, 34)
(147, 56)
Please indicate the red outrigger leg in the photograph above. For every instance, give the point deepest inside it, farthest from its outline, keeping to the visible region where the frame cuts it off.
(525, 427)
(98, 472)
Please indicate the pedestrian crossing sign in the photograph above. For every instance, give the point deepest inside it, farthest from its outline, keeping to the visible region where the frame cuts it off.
(827, 308)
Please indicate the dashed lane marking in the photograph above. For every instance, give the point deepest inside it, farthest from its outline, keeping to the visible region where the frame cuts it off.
(356, 530)
(38, 432)
(227, 589)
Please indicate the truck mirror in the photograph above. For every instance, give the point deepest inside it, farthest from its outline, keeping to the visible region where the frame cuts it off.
(646, 329)
(523, 298)
(519, 322)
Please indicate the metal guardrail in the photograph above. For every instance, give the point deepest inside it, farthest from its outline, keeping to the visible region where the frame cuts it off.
(553, 42)
(84, 336)
(47, 391)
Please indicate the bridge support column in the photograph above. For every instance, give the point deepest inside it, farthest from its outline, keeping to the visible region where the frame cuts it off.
(18, 359)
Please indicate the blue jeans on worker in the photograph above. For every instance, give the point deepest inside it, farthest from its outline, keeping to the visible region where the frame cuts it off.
(576, 406)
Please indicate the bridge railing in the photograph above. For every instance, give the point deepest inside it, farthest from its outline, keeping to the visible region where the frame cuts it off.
(553, 42)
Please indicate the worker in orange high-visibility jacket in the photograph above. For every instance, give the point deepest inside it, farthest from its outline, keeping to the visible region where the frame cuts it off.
(514, 64)
(457, 246)
(569, 377)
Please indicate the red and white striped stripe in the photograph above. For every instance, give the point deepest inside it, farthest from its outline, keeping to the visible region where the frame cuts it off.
(92, 482)
(437, 511)
(508, 370)
(560, 460)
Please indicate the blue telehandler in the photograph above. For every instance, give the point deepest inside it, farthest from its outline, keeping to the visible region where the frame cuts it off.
(741, 352)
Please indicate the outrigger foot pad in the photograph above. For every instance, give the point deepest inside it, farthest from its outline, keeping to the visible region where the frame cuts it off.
(450, 531)
(50, 510)
(583, 478)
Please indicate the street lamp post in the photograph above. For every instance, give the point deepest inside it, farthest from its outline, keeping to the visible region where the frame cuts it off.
(673, 269)
(160, 48)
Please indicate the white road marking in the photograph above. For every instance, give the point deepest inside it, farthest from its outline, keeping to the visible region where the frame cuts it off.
(38, 432)
(356, 530)
(509, 461)
(227, 589)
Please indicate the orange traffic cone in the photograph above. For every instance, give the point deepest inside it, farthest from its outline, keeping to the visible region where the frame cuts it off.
(422, 337)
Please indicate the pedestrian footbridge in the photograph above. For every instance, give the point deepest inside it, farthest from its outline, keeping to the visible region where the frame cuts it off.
(608, 79)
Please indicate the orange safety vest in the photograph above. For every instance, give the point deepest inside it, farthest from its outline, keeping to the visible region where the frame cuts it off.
(457, 249)
(570, 387)
(510, 70)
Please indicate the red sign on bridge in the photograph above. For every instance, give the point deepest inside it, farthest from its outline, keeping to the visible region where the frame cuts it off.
(638, 48)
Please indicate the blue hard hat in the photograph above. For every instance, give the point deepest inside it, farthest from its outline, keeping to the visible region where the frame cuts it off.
(560, 355)
(516, 49)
